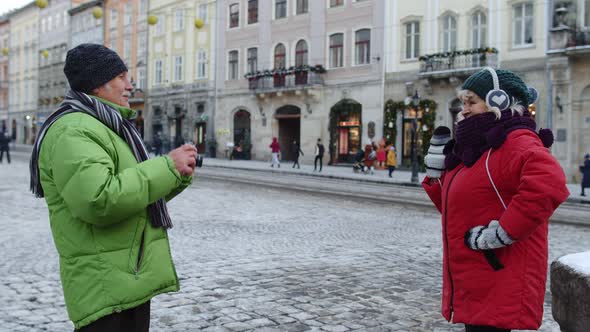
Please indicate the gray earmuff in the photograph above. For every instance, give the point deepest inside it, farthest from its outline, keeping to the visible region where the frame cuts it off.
(497, 97)
(533, 94)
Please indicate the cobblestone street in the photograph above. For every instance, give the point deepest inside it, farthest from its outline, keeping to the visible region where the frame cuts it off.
(253, 258)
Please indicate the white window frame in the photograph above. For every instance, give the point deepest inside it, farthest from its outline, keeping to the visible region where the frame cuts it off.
(329, 4)
(343, 55)
(178, 20)
(229, 72)
(247, 13)
(229, 16)
(274, 10)
(296, 3)
(247, 62)
(203, 10)
(523, 24)
(158, 74)
(448, 34)
(481, 29)
(201, 63)
(127, 49)
(294, 54)
(159, 30)
(413, 34)
(128, 14)
(141, 78)
(177, 77)
(355, 51)
(114, 19)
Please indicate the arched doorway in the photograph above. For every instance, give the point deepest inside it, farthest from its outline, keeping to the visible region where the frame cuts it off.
(289, 118)
(455, 107)
(345, 130)
(242, 136)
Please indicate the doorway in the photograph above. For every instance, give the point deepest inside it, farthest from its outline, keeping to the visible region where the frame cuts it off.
(345, 131)
(289, 118)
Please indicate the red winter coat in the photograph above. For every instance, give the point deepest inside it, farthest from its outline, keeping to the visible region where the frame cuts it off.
(532, 184)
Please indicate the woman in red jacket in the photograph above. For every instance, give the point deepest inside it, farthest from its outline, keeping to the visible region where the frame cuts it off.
(496, 185)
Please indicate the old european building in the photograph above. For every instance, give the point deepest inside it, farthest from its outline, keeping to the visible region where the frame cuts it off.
(85, 26)
(300, 70)
(4, 77)
(181, 99)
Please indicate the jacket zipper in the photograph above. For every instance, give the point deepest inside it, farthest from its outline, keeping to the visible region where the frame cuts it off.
(447, 244)
(139, 257)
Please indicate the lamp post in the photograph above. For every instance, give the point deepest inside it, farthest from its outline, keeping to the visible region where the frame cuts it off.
(416, 104)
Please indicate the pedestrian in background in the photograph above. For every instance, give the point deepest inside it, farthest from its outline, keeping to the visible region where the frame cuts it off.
(106, 198)
(370, 157)
(275, 151)
(296, 151)
(585, 169)
(4, 146)
(319, 155)
(498, 187)
(158, 144)
(381, 156)
(391, 160)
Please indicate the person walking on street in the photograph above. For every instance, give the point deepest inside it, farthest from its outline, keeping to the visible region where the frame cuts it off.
(106, 198)
(496, 185)
(319, 155)
(275, 150)
(296, 151)
(4, 146)
(585, 169)
(370, 157)
(391, 160)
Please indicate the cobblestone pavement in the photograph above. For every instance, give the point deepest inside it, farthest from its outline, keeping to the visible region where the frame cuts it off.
(254, 258)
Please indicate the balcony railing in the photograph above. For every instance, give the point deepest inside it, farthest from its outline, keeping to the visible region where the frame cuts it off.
(285, 79)
(458, 62)
(566, 39)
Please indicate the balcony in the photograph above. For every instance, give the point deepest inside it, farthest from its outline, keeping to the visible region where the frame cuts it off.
(294, 78)
(564, 39)
(457, 63)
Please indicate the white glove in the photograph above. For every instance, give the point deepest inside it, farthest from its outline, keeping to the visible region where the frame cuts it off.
(435, 159)
(492, 236)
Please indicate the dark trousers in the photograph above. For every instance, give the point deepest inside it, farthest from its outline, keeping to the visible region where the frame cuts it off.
(132, 320)
(315, 163)
(478, 328)
(296, 162)
(391, 169)
(583, 194)
(7, 155)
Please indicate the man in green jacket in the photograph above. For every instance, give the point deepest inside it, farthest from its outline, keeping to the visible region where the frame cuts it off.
(106, 198)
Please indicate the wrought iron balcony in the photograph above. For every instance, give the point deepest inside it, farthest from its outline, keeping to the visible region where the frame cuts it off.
(285, 79)
(457, 63)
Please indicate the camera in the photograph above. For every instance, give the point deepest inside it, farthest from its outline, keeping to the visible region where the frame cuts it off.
(199, 160)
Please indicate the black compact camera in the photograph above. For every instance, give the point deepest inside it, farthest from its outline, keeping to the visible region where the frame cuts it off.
(199, 161)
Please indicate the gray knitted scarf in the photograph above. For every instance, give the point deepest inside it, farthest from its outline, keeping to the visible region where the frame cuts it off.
(110, 117)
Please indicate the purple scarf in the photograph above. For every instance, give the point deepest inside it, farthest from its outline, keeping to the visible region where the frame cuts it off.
(478, 133)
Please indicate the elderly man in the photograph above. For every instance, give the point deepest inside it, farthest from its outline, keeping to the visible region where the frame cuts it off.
(106, 199)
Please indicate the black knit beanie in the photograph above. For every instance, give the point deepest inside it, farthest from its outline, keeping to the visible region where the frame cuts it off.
(481, 83)
(89, 66)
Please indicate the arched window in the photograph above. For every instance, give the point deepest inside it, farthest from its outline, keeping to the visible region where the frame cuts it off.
(301, 53)
(449, 33)
(478, 30)
(280, 56)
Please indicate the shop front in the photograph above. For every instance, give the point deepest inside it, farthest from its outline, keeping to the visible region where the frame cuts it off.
(345, 131)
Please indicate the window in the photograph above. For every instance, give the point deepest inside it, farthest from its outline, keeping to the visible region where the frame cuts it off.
(363, 46)
(478, 30)
(587, 13)
(412, 40)
(128, 13)
(336, 3)
(449, 33)
(280, 56)
(202, 63)
(127, 50)
(57, 20)
(302, 7)
(252, 60)
(158, 72)
(234, 15)
(336, 50)
(160, 25)
(280, 8)
(178, 20)
(141, 78)
(252, 11)
(301, 53)
(142, 43)
(114, 17)
(233, 65)
(142, 7)
(42, 25)
(203, 12)
(114, 39)
(523, 24)
(178, 68)
(49, 25)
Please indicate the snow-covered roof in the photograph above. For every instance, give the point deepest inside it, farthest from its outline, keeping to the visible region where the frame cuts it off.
(579, 262)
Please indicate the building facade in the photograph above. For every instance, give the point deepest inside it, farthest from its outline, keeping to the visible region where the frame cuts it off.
(4, 77)
(126, 32)
(568, 66)
(87, 23)
(53, 46)
(181, 97)
(23, 73)
(300, 70)
(433, 46)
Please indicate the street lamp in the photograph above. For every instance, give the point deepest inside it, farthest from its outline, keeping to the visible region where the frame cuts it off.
(416, 104)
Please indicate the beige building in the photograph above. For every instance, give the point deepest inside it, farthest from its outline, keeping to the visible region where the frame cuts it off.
(4, 49)
(181, 84)
(23, 67)
(299, 70)
(434, 45)
(568, 65)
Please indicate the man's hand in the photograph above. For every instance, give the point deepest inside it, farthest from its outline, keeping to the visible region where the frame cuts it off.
(492, 236)
(184, 158)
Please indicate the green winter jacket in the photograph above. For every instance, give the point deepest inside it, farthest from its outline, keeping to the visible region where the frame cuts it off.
(111, 258)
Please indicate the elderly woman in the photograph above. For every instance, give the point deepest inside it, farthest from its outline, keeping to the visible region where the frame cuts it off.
(496, 185)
